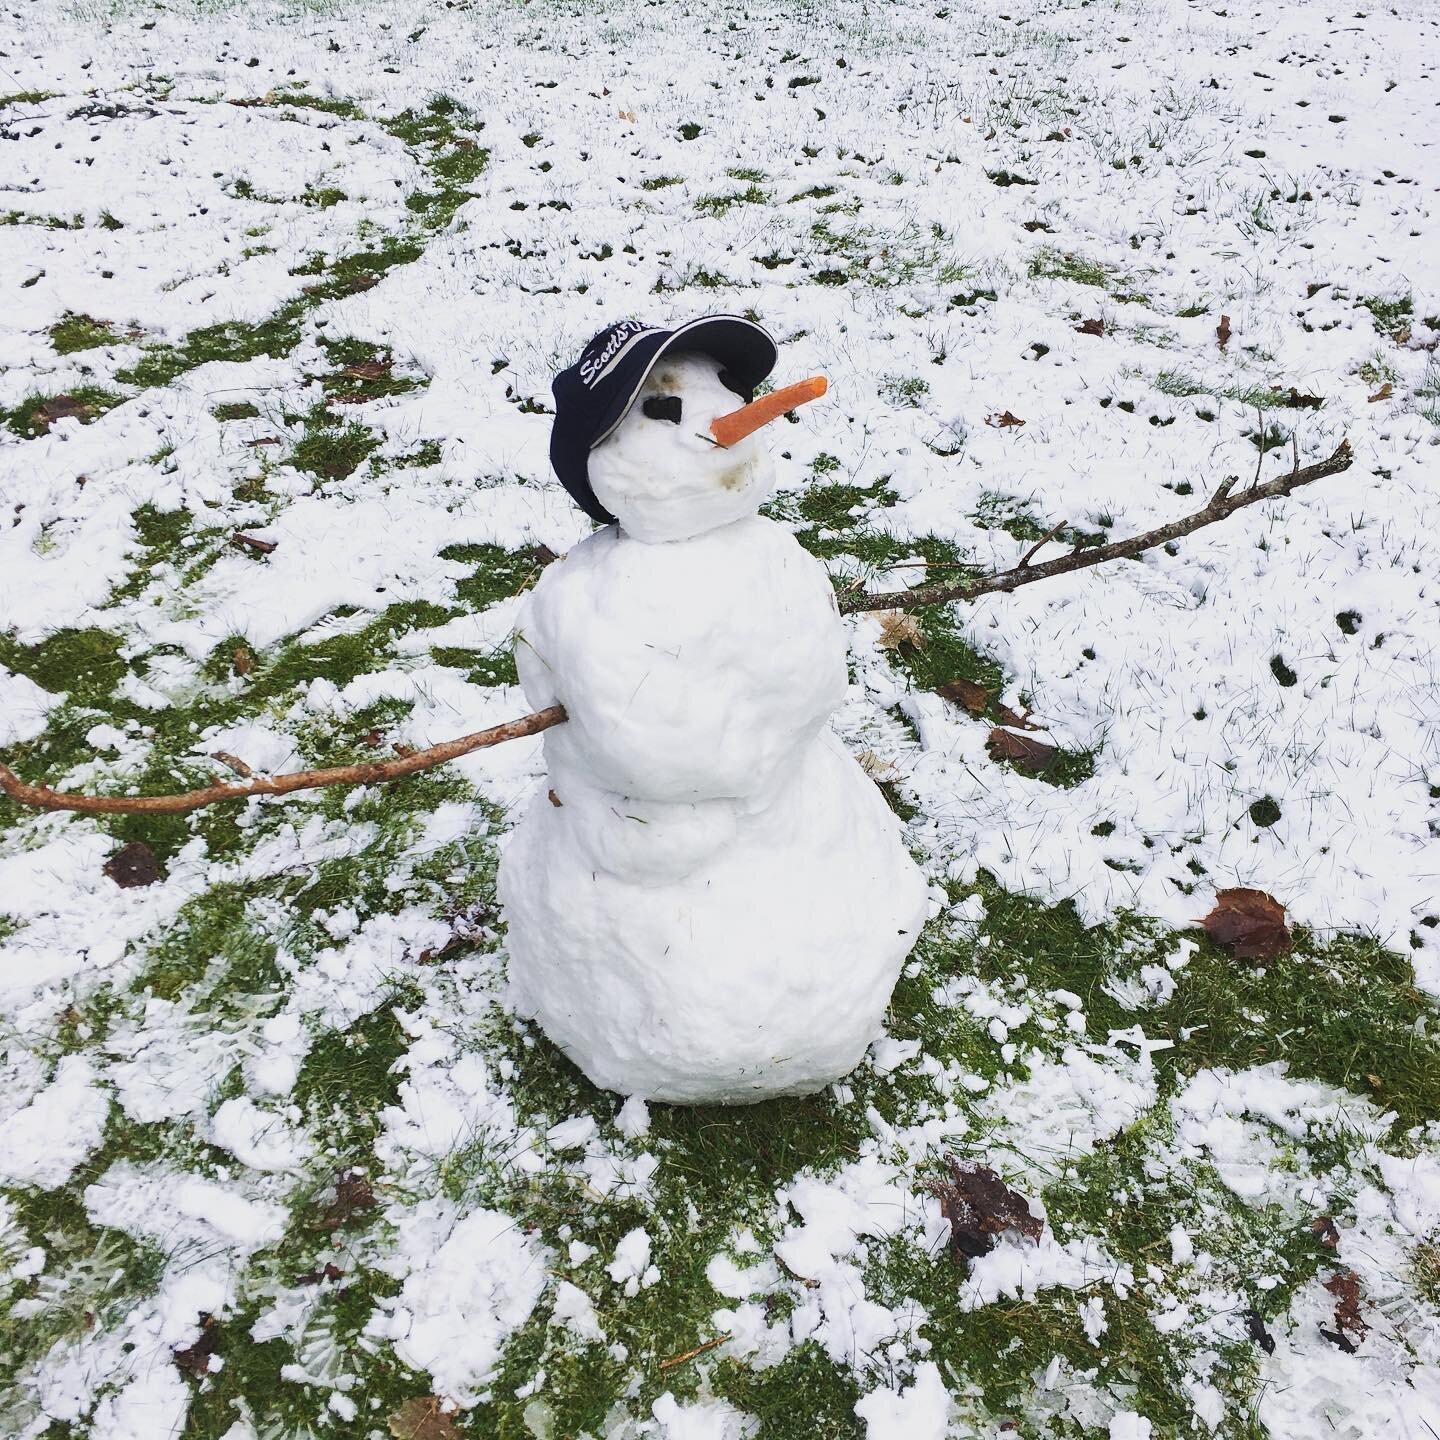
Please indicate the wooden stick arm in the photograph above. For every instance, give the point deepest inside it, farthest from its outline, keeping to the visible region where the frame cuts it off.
(1223, 502)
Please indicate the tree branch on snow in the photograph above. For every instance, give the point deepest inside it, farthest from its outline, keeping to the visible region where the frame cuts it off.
(372, 773)
(1224, 502)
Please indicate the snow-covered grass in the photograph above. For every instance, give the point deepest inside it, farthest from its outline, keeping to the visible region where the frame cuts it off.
(305, 274)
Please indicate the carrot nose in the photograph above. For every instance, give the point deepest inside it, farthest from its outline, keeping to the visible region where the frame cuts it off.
(727, 429)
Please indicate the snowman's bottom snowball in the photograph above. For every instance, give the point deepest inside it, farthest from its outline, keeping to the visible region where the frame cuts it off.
(765, 972)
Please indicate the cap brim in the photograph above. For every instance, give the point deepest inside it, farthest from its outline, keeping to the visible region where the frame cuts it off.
(741, 346)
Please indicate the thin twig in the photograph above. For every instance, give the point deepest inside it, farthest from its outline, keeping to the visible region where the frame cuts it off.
(43, 798)
(1221, 504)
(1039, 545)
(234, 762)
(675, 1360)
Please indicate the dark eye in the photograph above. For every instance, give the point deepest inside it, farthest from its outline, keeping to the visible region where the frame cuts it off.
(663, 407)
(745, 392)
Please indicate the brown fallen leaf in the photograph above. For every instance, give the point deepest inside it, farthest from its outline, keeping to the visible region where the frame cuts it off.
(878, 768)
(542, 554)
(133, 866)
(980, 1207)
(233, 762)
(423, 1419)
(59, 407)
(1090, 327)
(241, 541)
(1003, 421)
(1323, 1229)
(328, 1272)
(1298, 401)
(1032, 756)
(1344, 1285)
(1222, 331)
(1015, 720)
(195, 1359)
(555, 800)
(264, 440)
(353, 1196)
(243, 660)
(1383, 393)
(975, 698)
(897, 629)
(368, 369)
(1251, 922)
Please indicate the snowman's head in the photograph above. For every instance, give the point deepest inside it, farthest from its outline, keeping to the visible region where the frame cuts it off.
(689, 456)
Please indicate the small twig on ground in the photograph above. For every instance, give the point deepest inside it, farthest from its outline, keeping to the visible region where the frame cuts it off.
(43, 798)
(1221, 504)
(240, 540)
(234, 762)
(1039, 545)
(675, 1360)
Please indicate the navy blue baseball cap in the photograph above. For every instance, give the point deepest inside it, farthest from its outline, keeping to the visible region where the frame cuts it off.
(595, 394)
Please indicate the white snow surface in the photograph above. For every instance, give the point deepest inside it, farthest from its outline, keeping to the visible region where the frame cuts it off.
(1273, 163)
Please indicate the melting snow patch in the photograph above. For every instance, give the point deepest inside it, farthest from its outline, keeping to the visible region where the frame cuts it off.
(469, 1282)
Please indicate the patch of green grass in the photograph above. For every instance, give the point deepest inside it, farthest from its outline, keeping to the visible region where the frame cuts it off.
(331, 448)
(28, 418)
(661, 182)
(904, 391)
(1392, 315)
(48, 222)
(236, 410)
(1254, 397)
(1051, 264)
(721, 204)
(79, 332)
(231, 340)
(1336, 1011)
(303, 100)
(25, 97)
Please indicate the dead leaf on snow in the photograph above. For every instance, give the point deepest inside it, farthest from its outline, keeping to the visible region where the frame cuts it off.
(980, 1207)
(1344, 1285)
(195, 1359)
(877, 767)
(1251, 922)
(244, 661)
(1298, 401)
(1323, 1229)
(59, 407)
(1383, 393)
(423, 1419)
(1004, 421)
(1025, 753)
(1222, 331)
(1090, 327)
(975, 698)
(133, 866)
(1015, 720)
(353, 1196)
(368, 369)
(897, 629)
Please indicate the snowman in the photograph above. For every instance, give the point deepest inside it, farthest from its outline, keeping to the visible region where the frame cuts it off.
(708, 901)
